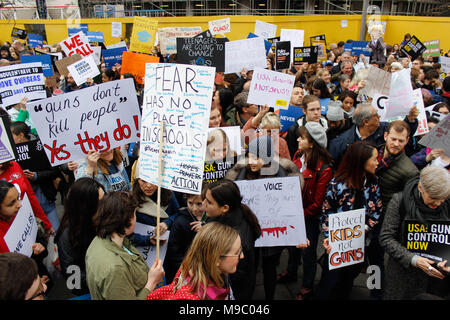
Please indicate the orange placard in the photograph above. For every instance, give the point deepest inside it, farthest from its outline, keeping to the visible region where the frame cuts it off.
(134, 63)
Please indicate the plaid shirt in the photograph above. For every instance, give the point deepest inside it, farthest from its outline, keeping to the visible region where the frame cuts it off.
(383, 163)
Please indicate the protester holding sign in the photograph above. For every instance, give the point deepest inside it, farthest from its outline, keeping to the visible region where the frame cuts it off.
(223, 204)
(425, 199)
(354, 186)
(115, 270)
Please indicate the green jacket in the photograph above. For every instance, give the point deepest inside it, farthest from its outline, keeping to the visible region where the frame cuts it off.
(394, 178)
(232, 118)
(114, 274)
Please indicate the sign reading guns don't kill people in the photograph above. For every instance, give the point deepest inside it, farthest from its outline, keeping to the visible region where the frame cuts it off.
(180, 97)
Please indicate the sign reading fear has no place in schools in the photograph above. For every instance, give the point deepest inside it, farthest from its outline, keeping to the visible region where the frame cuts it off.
(180, 96)
(99, 118)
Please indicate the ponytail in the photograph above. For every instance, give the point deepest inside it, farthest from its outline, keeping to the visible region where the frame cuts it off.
(252, 220)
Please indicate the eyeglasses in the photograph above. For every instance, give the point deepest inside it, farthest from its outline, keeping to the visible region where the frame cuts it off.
(233, 255)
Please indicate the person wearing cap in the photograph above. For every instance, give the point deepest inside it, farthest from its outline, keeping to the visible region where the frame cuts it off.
(260, 162)
(314, 162)
(338, 121)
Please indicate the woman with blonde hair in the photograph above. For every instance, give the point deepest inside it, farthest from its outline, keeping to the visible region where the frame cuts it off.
(203, 275)
(107, 168)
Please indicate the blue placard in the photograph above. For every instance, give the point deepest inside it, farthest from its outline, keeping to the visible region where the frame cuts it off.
(324, 105)
(113, 56)
(267, 44)
(288, 117)
(95, 36)
(359, 47)
(348, 47)
(73, 31)
(35, 40)
(45, 59)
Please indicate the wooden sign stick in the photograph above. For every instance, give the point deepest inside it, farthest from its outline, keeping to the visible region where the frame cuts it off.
(158, 210)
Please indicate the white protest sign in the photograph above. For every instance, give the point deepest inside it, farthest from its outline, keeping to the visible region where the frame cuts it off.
(378, 82)
(400, 95)
(120, 44)
(100, 118)
(84, 69)
(277, 203)
(439, 136)
(149, 252)
(445, 64)
(179, 95)
(346, 236)
(429, 111)
(21, 80)
(344, 23)
(422, 127)
(271, 88)
(220, 26)
(22, 233)
(97, 54)
(116, 29)
(246, 53)
(78, 43)
(265, 30)
(296, 37)
(168, 37)
(233, 134)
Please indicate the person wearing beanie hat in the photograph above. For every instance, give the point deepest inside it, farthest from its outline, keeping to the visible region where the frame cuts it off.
(338, 121)
(318, 133)
(260, 152)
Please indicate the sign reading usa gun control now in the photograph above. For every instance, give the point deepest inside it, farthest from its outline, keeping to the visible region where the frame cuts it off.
(99, 118)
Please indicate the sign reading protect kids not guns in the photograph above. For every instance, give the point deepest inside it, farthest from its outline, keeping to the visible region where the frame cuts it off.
(180, 96)
(346, 238)
(100, 118)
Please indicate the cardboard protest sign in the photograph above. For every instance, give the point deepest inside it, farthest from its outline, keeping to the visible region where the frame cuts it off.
(62, 64)
(78, 43)
(134, 63)
(318, 38)
(305, 55)
(220, 26)
(202, 52)
(282, 55)
(83, 70)
(143, 35)
(296, 38)
(361, 47)
(116, 29)
(429, 241)
(100, 118)
(246, 53)
(180, 96)
(149, 252)
(413, 48)
(44, 59)
(120, 44)
(31, 156)
(400, 94)
(95, 36)
(271, 88)
(17, 33)
(22, 233)
(7, 151)
(113, 56)
(35, 40)
(439, 136)
(378, 81)
(346, 236)
(433, 48)
(168, 37)
(265, 30)
(277, 203)
(445, 63)
(21, 80)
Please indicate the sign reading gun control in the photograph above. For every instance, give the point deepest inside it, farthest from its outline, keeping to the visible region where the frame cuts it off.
(180, 96)
(100, 118)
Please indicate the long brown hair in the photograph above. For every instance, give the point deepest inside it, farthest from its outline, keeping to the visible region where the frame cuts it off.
(351, 169)
(117, 159)
(317, 153)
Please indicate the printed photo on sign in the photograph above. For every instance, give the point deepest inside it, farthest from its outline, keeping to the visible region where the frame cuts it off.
(278, 207)
(346, 236)
(180, 97)
(100, 118)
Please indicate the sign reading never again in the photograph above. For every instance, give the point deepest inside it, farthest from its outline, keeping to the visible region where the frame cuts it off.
(100, 118)
(180, 96)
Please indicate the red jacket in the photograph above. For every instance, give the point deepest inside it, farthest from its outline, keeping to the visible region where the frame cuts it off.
(15, 175)
(313, 193)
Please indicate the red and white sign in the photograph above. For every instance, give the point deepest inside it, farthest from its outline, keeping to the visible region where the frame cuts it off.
(78, 43)
(219, 26)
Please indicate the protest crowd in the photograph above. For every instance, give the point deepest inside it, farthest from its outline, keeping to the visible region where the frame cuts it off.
(182, 173)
